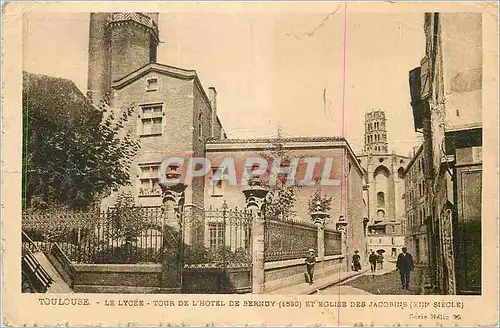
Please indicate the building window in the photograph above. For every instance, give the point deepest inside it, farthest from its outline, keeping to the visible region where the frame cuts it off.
(151, 120)
(393, 229)
(216, 234)
(380, 199)
(200, 127)
(152, 84)
(380, 240)
(149, 180)
(392, 240)
(217, 186)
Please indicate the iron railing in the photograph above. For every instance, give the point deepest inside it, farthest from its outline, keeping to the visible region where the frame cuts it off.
(333, 242)
(288, 239)
(227, 242)
(131, 235)
(35, 278)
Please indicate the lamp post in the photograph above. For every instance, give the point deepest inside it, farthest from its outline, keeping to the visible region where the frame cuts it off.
(224, 258)
(365, 230)
(173, 195)
(255, 196)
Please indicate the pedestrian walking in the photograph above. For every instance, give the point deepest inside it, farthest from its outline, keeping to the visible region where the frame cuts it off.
(373, 261)
(405, 265)
(380, 261)
(310, 263)
(356, 261)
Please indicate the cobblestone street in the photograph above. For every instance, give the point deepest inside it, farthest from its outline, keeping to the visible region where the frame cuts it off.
(383, 282)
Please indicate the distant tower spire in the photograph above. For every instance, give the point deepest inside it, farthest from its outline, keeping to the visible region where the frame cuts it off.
(375, 132)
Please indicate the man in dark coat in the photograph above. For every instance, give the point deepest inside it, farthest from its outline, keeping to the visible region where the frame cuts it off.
(356, 265)
(405, 265)
(310, 263)
(373, 261)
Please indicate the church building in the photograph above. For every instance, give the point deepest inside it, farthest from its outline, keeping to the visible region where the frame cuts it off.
(384, 190)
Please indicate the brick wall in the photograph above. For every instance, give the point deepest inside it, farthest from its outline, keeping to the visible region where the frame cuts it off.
(348, 203)
(176, 96)
(130, 49)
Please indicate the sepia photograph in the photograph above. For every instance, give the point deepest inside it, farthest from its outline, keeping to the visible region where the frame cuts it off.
(272, 153)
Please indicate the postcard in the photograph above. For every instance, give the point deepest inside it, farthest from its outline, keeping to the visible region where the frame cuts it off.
(250, 164)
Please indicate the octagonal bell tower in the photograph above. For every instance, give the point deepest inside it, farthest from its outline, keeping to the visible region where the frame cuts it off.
(375, 133)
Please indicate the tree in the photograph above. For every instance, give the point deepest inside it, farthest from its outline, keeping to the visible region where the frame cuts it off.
(319, 203)
(73, 152)
(127, 219)
(281, 198)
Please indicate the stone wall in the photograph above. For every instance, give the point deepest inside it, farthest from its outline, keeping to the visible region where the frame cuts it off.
(117, 278)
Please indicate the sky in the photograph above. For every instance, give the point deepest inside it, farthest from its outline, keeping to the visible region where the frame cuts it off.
(270, 68)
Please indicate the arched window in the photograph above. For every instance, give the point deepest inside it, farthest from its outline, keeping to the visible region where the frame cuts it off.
(380, 199)
(401, 172)
(200, 127)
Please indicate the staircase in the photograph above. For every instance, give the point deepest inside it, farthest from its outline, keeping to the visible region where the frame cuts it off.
(38, 273)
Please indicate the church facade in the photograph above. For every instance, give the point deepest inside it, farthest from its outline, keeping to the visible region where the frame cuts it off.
(384, 189)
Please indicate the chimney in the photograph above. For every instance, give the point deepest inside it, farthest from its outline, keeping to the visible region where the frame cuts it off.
(212, 96)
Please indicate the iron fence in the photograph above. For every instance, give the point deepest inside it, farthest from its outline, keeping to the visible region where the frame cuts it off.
(288, 239)
(227, 240)
(120, 236)
(333, 242)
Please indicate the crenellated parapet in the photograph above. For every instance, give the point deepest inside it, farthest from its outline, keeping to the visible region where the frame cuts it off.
(142, 20)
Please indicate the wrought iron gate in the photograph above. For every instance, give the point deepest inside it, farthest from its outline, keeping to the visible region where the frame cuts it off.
(223, 264)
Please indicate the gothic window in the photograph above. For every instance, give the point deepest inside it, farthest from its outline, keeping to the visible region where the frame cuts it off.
(151, 120)
(401, 173)
(216, 234)
(148, 179)
(380, 199)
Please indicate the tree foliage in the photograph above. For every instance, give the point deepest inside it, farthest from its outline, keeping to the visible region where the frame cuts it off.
(281, 199)
(319, 202)
(127, 219)
(73, 151)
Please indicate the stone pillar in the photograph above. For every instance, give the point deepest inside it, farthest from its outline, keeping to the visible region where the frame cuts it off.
(173, 234)
(255, 196)
(342, 228)
(319, 218)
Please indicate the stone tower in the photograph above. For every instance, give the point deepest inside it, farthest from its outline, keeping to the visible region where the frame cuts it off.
(119, 43)
(375, 133)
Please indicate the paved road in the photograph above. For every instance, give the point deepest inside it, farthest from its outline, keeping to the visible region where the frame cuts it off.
(342, 290)
(384, 282)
